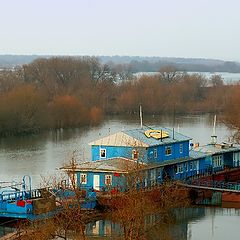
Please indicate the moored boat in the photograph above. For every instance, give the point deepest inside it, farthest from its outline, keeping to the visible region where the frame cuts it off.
(17, 200)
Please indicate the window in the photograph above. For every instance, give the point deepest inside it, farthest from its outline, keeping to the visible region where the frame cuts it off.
(168, 150)
(135, 154)
(108, 180)
(83, 178)
(155, 153)
(236, 159)
(194, 165)
(217, 161)
(180, 148)
(179, 168)
(102, 153)
(73, 179)
(186, 167)
(191, 166)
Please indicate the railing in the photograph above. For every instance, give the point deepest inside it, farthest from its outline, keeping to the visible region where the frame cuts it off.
(20, 195)
(215, 184)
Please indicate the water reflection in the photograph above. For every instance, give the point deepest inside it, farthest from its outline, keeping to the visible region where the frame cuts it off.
(155, 227)
(218, 224)
(187, 224)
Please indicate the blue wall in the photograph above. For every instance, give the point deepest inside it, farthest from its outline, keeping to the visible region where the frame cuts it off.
(116, 181)
(190, 168)
(144, 154)
(175, 153)
(115, 151)
(151, 176)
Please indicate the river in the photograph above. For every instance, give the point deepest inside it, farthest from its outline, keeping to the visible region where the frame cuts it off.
(40, 155)
(228, 78)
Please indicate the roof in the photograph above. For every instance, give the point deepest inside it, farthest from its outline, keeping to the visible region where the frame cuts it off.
(198, 154)
(193, 155)
(119, 139)
(124, 165)
(120, 165)
(217, 148)
(139, 138)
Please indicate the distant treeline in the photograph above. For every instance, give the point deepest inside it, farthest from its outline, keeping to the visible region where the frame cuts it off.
(140, 64)
(154, 64)
(64, 92)
(145, 66)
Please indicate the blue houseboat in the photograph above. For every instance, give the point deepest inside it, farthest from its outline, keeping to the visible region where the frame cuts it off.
(19, 200)
(159, 153)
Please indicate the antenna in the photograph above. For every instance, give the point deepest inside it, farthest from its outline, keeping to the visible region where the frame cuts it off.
(214, 136)
(141, 119)
(174, 119)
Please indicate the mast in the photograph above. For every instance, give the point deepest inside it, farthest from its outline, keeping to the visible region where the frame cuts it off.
(141, 119)
(214, 136)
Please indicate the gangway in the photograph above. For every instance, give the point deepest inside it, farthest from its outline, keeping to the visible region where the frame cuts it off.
(220, 186)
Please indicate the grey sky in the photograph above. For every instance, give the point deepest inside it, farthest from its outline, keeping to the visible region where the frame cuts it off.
(169, 28)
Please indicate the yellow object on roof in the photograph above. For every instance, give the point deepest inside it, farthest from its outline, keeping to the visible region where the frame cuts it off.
(157, 134)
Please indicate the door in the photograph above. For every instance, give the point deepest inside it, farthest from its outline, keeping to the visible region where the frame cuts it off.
(197, 166)
(96, 182)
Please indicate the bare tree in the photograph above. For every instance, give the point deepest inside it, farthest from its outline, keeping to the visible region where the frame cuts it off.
(169, 74)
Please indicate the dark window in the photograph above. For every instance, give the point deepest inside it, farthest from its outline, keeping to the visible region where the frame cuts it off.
(135, 154)
(103, 153)
(155, 153)
(168, 150)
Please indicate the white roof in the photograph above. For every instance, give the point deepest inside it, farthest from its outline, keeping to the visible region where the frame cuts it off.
(119, 139)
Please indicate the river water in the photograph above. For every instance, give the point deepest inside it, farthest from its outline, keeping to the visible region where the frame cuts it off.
(41, 155)
(228, 78)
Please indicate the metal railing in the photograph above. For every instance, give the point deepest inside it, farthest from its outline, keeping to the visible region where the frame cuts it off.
(215, 184)
(20, 195)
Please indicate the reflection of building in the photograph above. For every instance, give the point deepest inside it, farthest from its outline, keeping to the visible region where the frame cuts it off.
(159, 153)
(154, 225)
(4, 230)
(103, 228)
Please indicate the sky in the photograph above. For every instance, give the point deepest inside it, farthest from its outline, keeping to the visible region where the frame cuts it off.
(165, 28)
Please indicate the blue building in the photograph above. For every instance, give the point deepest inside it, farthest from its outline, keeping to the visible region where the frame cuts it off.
(154, 153)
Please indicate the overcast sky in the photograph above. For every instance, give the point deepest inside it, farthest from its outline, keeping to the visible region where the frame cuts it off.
(166, 28)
